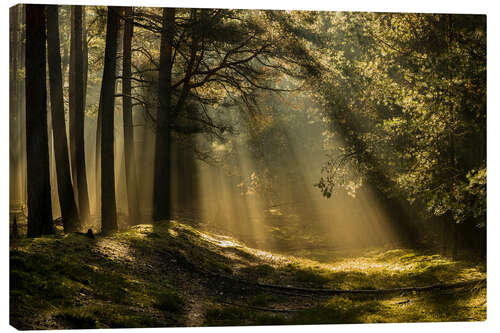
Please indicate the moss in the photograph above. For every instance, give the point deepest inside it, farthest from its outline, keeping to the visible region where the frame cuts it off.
(170, 301)
(339, 310)
(238, 316)
(393, 254)
(262, 300)
(217, 265)
(257, 271)
(57, 275)
(310, 276)
(78, 319)
(104, 316)
(82, 283)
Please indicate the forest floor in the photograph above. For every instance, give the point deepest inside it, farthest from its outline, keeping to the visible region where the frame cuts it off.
(172, 274)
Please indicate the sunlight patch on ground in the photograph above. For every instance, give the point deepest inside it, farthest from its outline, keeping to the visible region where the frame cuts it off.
(221, 241)
(274, 258)
(173, 233)
(338, 269)
(115, 250)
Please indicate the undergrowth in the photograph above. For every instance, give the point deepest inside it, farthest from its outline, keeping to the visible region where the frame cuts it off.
(131, 279)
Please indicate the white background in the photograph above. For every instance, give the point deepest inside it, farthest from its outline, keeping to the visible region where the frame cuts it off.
(427, 6)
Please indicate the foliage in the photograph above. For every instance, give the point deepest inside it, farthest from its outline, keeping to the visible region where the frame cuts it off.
(405, 96)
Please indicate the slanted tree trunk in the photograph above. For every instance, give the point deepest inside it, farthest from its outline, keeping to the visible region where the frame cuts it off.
(161, 186)
(106, 109)
(72, 102)
(128, 128)
(76, 113)
(67, 202)
(37, 150)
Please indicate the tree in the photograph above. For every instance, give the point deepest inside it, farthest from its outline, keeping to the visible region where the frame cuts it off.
(76, 114)
(66, 196)
(39, 202)
(14, 114)
(85, 51)
(128, 128)
(220, 56)
(161, 195)
(106, 109)
(407, 94)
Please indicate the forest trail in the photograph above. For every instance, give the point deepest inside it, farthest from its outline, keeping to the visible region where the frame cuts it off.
(176, 275)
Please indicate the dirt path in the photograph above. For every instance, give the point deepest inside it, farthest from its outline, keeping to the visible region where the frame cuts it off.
(197, 301)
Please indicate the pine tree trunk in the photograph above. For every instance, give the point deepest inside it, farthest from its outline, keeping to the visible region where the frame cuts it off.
(15, 197)
(39, 202)
(22, 109)
(65, 58)
(161, 191)
(128, 128)
(76, 114)
(85, 50)
(98, 165)
(106, 109)
(65, 190)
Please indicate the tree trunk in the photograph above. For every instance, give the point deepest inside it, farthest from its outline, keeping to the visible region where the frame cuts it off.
(85, 50)
(106, 109)
(22, 109)
(39, 203)
(98, 165)
(161, 191)
(76, 114)
(65, 190)
(15, 193)
(65, 58)
(128, 128)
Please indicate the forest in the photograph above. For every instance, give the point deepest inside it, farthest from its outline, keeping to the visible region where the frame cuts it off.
(226, 167)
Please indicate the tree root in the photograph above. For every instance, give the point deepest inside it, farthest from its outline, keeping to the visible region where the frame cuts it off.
(440, 286)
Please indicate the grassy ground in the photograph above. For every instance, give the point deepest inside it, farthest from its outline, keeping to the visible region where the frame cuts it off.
(175, 275)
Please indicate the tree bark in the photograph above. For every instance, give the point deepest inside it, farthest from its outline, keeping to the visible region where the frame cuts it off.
(85, 51)
(15, 193)
(98, 165)
(106, 109)
(67, 202)
(65, 58)
(22, 109)
(128, 128)
(39, 202)
(76, 114)
(161, 186)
